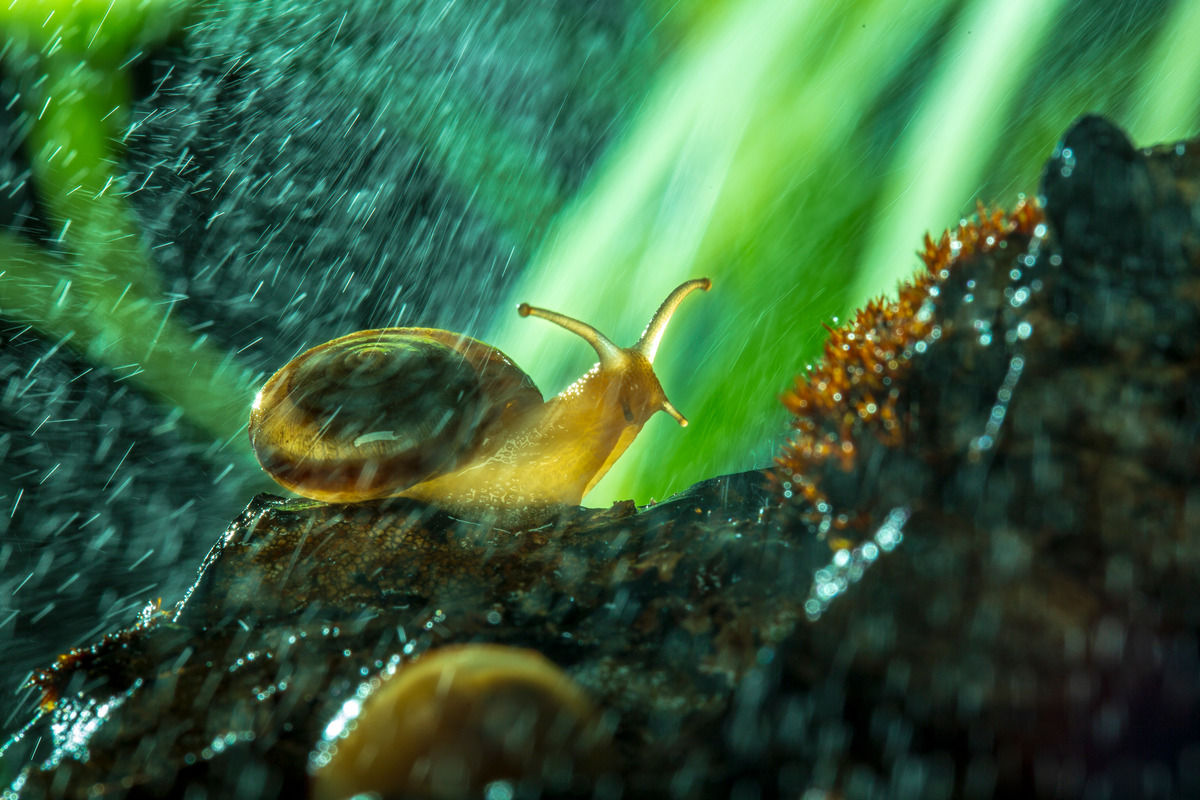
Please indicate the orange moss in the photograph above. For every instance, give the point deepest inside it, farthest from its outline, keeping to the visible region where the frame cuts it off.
(856, 387)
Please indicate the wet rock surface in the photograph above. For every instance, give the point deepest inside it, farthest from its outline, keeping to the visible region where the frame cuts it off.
(991, 592)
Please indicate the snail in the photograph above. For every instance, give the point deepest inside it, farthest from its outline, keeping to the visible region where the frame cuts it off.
(457, 719)
(448, 420)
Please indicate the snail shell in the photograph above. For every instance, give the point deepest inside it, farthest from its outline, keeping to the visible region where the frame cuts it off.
(371, 413)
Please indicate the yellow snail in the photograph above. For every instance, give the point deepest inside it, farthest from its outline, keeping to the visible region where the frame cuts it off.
(448, 420)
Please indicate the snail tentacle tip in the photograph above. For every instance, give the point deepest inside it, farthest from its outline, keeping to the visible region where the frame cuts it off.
(524, 309)
(674, 412)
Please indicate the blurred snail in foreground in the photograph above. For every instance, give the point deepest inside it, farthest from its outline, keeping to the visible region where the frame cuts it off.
(459, 718)
(446, 419)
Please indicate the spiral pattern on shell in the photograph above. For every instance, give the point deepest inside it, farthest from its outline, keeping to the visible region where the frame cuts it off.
(372, 413)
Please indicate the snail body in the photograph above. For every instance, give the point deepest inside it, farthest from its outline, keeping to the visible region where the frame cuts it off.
(448, 420)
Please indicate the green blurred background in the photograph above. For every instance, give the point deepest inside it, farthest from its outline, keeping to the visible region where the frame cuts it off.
(796, 152)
